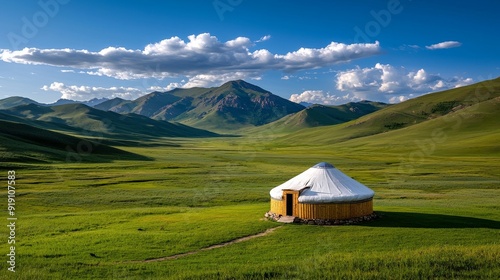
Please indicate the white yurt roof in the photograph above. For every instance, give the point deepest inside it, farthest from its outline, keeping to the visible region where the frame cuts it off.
(324, 183)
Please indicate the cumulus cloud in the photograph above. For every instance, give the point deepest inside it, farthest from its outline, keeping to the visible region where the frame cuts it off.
(200, 55)
(444, 45)
(396, 83)
(83, 93)
(321, 97)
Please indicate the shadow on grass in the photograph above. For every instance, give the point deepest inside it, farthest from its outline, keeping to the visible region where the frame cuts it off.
(425, 220)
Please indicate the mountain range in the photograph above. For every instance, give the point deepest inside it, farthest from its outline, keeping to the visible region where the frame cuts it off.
(233, 106)
(238, 107)
(13, 101)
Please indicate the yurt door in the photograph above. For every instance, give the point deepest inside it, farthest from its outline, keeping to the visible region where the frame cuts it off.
(289, 204)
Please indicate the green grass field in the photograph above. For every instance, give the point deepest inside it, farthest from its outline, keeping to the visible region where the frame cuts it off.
(103, 220)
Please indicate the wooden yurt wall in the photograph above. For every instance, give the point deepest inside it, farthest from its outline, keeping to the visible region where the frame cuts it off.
(333, 211)
(278, 206)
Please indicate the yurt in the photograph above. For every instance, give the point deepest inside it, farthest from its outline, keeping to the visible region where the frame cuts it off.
(322, 192)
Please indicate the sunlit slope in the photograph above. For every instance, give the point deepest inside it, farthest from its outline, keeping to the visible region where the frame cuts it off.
(473, 131)
(419, 110)
(321, 115)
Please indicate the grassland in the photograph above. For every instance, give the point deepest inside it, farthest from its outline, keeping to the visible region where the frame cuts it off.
(102, 220)
(129, 202)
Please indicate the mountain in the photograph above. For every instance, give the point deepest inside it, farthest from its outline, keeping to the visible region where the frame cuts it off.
(115, 105)
(95, 101)
(14, 101)
(452, 109)
(27, 144)
(91, 102)
(62, 102)
(231, 106)
(81, 118)
(321, 115)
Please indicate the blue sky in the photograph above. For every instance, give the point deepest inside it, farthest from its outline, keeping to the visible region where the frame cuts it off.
(329, 52)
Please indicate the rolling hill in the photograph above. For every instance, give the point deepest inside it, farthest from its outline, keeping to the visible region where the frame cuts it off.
(28, 144)
(468, 114)
(472, 131)
(231, 106)
(79, 118)
(14, 101)
(321, 115)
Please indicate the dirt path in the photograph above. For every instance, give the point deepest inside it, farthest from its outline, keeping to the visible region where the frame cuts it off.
(238, 240)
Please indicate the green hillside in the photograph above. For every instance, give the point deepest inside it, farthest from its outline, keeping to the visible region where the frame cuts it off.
(406, 114)
(27, 144)
(81, 118)
(472, 131)
(321, 115)
(149, 104)
(117, 105)
(14, 101)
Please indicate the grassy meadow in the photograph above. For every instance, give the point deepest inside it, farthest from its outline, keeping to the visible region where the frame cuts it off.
(440, 219)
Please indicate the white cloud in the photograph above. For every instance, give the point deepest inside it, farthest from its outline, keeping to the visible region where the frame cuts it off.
(462, 82)
(444, 45)
(172, 86)
(321, 97)
(202, 54)
(386, 82)
(209, 80)
(83, 93)
(264, 38)
(399, 99)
